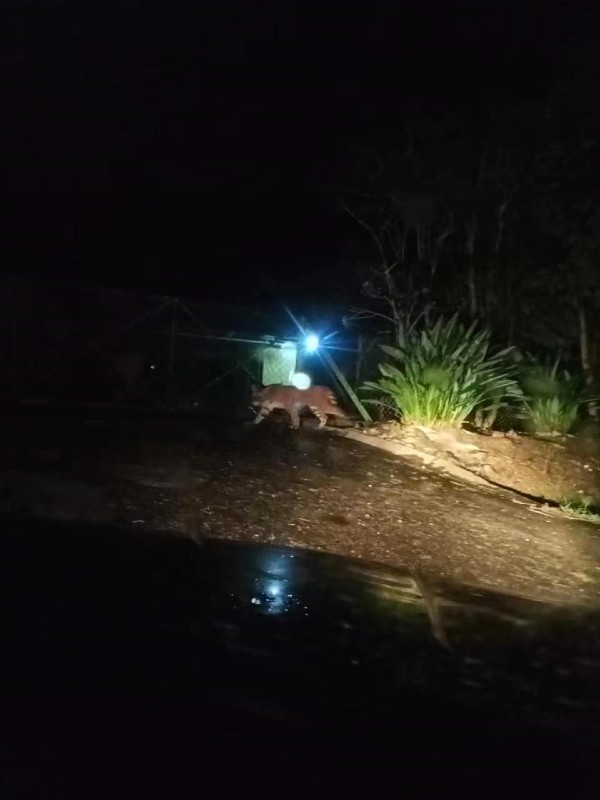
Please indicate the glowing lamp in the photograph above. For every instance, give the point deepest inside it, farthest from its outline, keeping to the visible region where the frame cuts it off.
(301, 380)
(311, 343)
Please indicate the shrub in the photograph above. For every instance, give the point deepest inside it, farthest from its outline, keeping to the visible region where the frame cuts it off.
(553, 399)
(581, 506)
(550, 415)
(439, 375)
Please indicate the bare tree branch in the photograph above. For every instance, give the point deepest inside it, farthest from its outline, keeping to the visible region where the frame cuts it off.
(369, 229)
(365, 313)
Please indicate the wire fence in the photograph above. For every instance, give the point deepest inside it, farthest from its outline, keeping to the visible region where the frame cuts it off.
(69, 343)
(79, 344)
(73, 343)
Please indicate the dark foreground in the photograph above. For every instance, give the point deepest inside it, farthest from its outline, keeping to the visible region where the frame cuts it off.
(154, 666)
(308, 489)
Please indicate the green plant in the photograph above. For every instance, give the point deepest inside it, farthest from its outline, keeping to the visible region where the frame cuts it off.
(550, 415)
(439, 375)
(553, 399)
(581, 507)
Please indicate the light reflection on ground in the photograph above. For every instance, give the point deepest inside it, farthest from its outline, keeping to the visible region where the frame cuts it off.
(273, 586)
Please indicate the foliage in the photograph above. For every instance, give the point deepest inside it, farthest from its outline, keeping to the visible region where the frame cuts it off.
(550, 415)
(438, 375)
(496, 228)
(581, 507)
(553, 398)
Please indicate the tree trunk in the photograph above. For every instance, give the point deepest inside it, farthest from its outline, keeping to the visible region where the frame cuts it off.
(472, 290)
(586, 361)
(470, 252)
(510, 312)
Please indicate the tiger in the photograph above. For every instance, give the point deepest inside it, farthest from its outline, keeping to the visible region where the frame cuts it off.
(318, 399)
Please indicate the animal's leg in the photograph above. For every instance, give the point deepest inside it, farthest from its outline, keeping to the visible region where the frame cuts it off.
(295, 417)
(320, 415)
(262, 414)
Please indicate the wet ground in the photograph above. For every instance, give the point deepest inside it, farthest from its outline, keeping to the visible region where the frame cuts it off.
(309, 489)
(149, 662)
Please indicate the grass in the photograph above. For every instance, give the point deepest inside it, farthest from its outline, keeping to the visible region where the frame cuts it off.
(553, 399)
(551, 416)
(581, 507)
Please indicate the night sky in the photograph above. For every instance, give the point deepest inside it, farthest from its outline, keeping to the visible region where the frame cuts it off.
(189, 148)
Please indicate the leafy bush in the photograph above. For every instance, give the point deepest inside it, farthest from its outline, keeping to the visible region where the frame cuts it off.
(550, 415)
(581, 506)
(554, 399)
(439, 375)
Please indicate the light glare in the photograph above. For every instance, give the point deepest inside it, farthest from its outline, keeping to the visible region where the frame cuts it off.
(312, 342)
(301, 380)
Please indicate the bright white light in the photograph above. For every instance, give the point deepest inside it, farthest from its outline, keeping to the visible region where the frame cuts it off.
(301, 380)
(311, 342)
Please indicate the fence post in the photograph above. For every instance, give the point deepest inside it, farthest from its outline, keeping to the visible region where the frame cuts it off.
(349, 390)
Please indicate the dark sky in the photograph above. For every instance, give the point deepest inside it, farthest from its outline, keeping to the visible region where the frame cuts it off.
(187, 147)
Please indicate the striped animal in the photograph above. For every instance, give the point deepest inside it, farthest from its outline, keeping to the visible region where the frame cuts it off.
(318, 399)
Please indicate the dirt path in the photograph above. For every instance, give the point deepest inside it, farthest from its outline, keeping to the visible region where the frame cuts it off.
(315, 490)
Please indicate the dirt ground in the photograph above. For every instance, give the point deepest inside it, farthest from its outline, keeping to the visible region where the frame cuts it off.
(556, 470)
(308, 489)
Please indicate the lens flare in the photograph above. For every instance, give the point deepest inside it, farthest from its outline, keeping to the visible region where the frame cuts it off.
(301, 380)
(311, 343)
